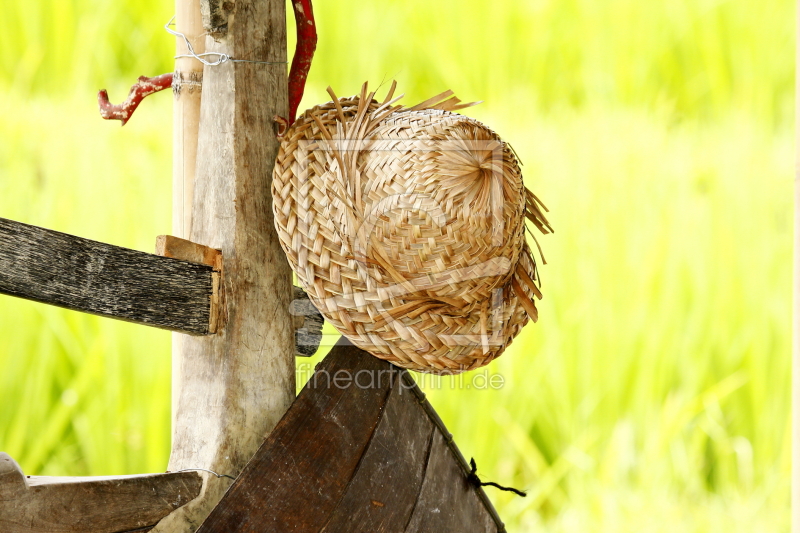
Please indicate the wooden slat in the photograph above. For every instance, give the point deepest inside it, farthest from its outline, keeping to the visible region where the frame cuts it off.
(367, 463)
(30, 504)
(84, 275)
(458, 457)
(383, 492)
(447, 501)
(298, 476)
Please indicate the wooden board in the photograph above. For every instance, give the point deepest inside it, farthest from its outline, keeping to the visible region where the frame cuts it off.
(84, 275)
(302, 470)
(447, 501)
(364, 453)
(113, 504)
(383, 492)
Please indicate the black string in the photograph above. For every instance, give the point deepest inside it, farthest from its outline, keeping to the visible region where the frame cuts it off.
(475, 480)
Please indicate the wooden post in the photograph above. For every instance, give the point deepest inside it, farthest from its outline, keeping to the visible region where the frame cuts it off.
(230, 389)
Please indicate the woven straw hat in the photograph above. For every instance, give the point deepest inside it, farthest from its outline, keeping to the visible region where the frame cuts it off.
(406, 227)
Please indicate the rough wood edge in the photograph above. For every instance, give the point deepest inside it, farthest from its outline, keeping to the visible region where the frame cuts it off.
(215, 15)
(177, 248)
(411, 384)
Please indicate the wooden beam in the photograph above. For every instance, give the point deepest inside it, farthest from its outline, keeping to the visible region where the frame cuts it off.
(84, 275)
(231, 389)
(112, 504)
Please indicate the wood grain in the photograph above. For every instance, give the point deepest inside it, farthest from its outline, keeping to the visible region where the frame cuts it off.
(299, 475)
(231, 389)
(458, 457)
(369, 457)
(308, 321)
(84, 275)
(447, 501)
(177, 248)
(112, 504)
(383, 492)
(215, 15)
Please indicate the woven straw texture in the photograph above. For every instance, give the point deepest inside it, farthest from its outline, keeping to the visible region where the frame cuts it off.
(406, 227)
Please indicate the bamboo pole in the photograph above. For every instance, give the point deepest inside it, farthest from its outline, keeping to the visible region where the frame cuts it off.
(187, 84)
(231, 389)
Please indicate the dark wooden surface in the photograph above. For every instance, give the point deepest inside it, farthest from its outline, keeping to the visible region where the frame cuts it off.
(296, 479)
(84, 275)
(447, 501)
(384, 488)
(215, 15)
(368, 457)
(31, 504)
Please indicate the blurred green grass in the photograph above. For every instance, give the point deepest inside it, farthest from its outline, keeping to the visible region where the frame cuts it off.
(653, 395)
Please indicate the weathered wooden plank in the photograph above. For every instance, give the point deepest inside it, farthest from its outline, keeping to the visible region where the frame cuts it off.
(111, 504)
(177, 248)
(458, 457)
(84, 275)
(298, 476)
(383, 492)
(447, 502)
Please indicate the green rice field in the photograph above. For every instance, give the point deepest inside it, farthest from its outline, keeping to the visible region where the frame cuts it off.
(653, 395)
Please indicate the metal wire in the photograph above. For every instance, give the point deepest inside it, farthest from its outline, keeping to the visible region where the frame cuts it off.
(221, 58)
